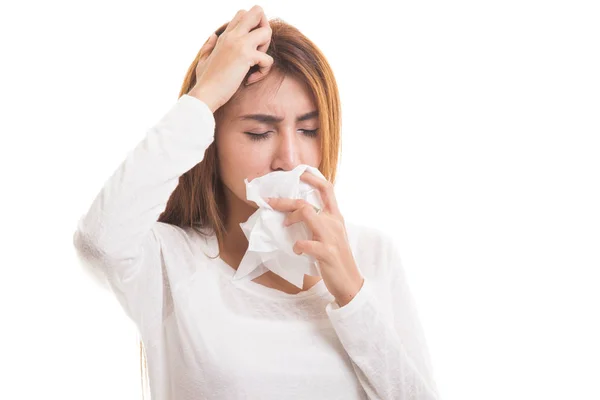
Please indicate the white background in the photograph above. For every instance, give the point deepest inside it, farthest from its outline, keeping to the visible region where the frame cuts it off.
(471, 131)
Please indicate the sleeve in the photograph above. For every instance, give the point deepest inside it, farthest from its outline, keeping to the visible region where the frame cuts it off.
(118, 240)
(383, 336)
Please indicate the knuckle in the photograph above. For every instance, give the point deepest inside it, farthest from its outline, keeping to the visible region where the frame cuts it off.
(306, 210)
(244, 55)
(248, 53)
(331, 249)
(224, 38)
(300, 203)
(241, 45)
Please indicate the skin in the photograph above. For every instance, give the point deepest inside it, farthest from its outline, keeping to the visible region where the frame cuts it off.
(289, 143)
(240, 157)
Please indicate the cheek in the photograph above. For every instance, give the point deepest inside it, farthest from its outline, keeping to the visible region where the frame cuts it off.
(312, 153)
(239, 160)
(242, 156)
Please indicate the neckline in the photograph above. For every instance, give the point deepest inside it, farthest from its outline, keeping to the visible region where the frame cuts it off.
(227, 271)
(317, 289)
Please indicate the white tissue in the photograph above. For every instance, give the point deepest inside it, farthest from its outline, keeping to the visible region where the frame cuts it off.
(270, 243)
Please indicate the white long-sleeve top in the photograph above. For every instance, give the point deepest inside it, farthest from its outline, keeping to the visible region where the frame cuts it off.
(208, 337)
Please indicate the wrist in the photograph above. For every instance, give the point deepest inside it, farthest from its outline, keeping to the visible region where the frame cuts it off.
(349, 294)
(203, 97)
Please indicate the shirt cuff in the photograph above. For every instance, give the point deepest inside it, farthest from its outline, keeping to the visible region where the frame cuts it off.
(334, 311)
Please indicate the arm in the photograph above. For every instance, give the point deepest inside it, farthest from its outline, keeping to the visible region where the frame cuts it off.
(117, 240)
(381, 332)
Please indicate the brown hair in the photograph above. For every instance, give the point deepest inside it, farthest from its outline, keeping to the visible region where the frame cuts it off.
(198, 199)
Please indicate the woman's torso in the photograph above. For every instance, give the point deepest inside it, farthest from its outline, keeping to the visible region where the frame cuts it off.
(225, 340)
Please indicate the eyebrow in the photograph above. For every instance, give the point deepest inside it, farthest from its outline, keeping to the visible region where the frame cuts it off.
(272, 119)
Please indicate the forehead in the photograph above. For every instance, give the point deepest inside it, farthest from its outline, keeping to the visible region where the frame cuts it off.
(277, 94)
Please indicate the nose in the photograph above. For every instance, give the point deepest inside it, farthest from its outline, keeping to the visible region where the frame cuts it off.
(287, 150)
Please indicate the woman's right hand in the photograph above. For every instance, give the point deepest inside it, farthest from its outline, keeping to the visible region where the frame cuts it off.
(225, 61)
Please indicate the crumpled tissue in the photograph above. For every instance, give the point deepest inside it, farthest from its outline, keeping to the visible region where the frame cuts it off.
(270, 243)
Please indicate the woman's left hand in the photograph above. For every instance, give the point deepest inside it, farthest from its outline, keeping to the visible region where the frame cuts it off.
(329, 244)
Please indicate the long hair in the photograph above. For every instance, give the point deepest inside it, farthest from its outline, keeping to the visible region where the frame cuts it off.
(198, 200)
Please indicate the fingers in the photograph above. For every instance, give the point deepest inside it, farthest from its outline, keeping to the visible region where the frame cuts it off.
(325, 189)
(299, 210)
(285, 204)
(313, 248)
(305, 213)
(235, 20)
(208, 46)
(264, 62)
(260, 37)
(255, 25)
(264, 23)
(251, 19)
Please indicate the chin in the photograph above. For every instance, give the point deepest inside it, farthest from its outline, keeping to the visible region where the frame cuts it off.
(251, 204)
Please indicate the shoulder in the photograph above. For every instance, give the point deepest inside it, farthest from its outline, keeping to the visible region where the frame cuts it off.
(184, 251)
(178, 242)
(180, 237)
(170, 235)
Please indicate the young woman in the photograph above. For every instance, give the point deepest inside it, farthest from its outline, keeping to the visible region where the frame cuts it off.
(164, 235)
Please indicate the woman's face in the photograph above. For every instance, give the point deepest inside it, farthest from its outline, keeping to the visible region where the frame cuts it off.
(287, 114)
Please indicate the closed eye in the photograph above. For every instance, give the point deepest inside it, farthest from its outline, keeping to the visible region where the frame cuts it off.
(266, 135)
